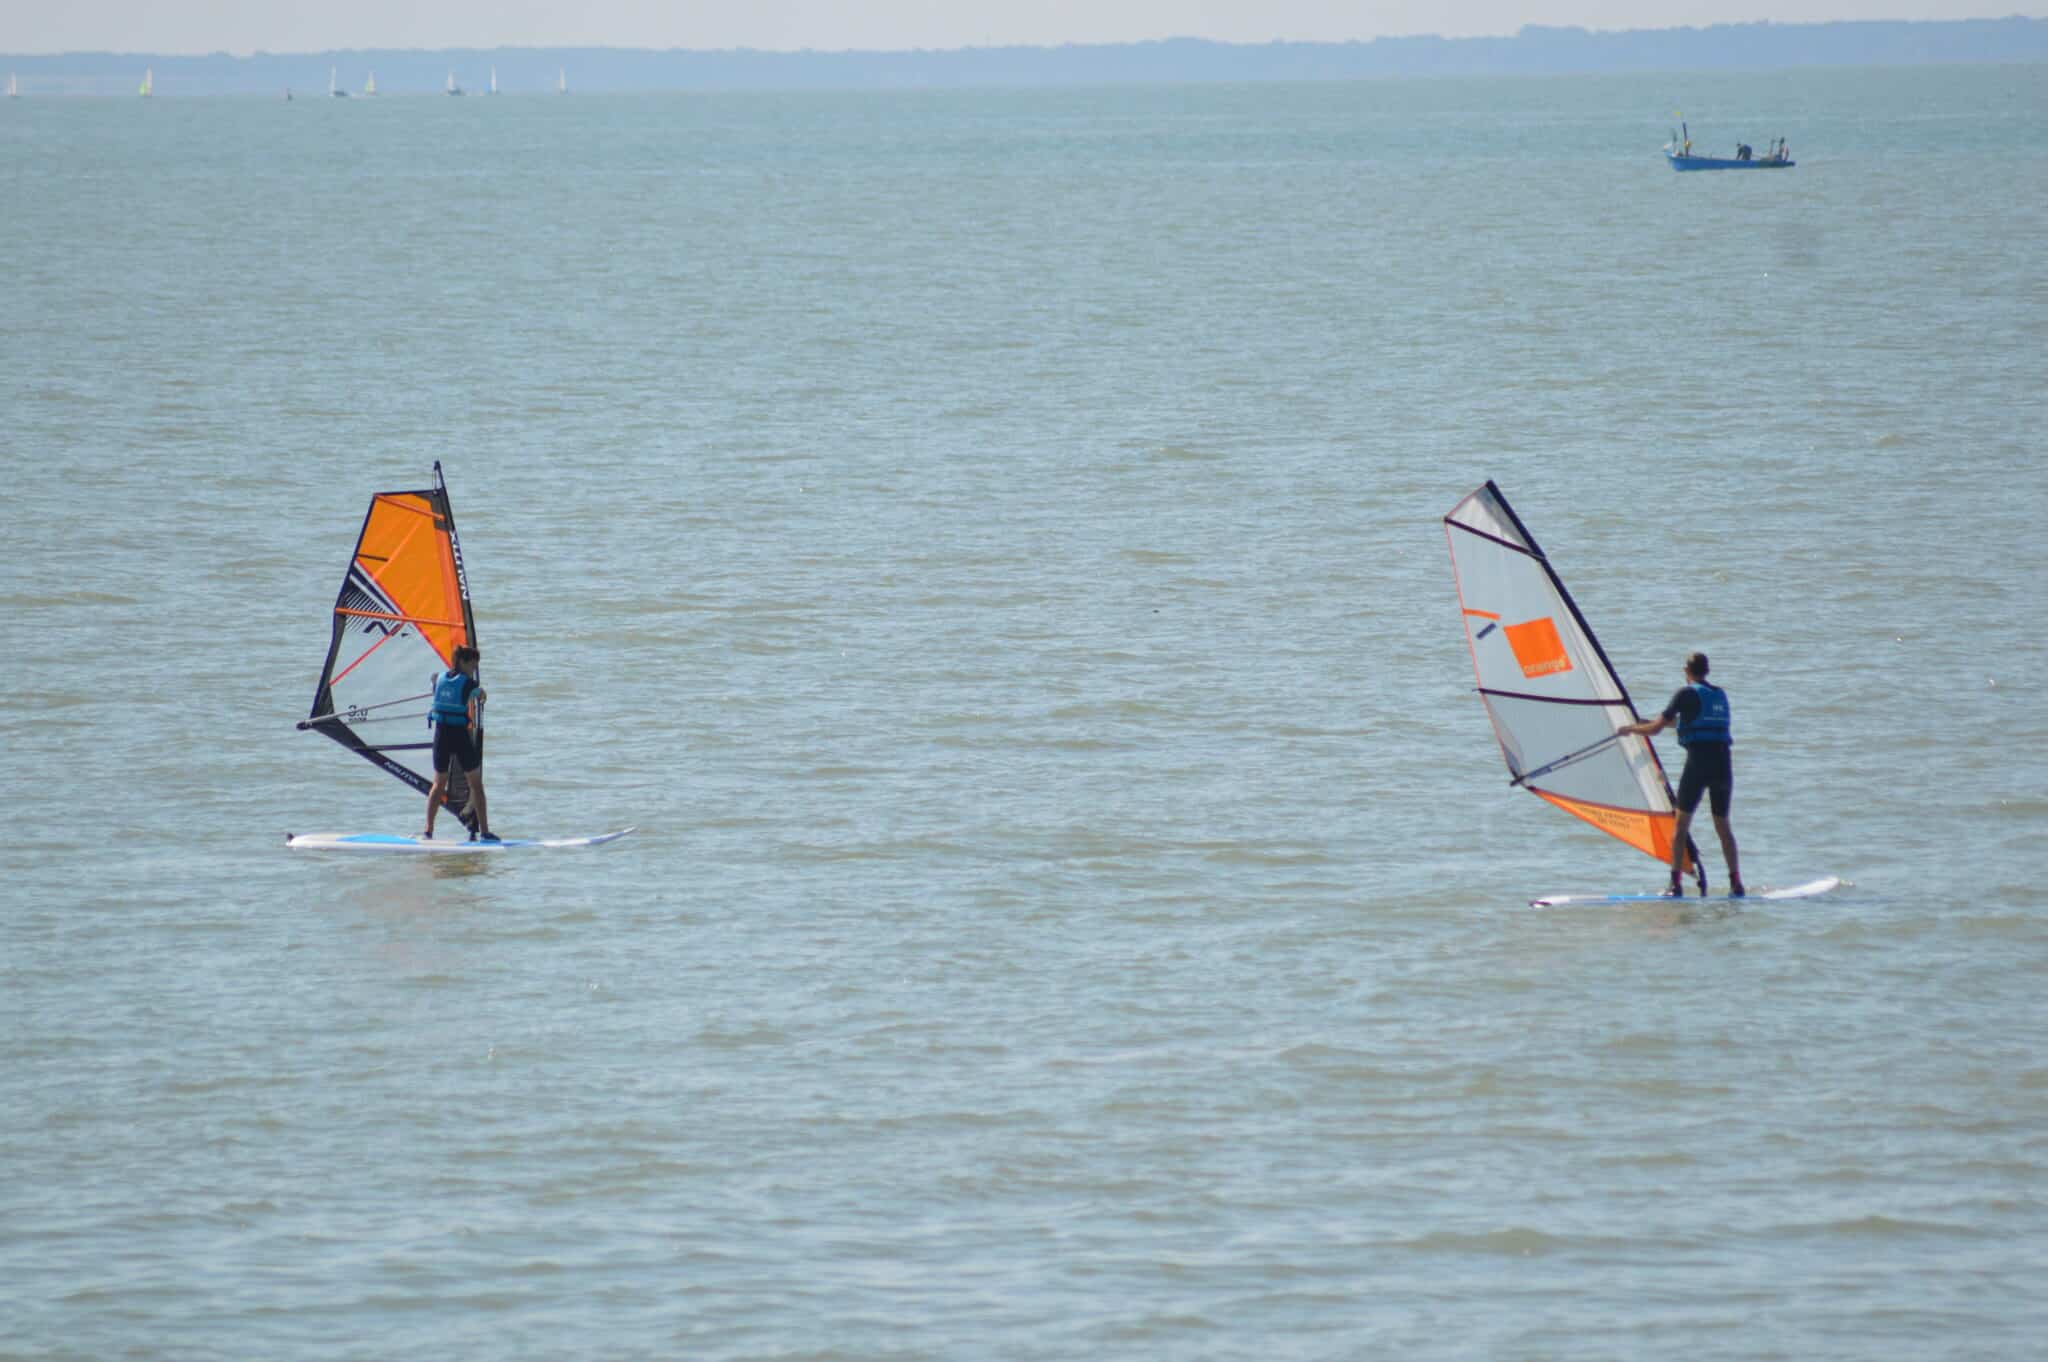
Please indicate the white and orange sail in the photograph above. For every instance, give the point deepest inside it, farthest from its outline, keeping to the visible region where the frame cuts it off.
(1556, 703)
(402, 612)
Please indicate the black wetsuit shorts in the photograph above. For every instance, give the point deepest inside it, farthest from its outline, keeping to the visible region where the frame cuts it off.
(1710, 771)
(453, 745)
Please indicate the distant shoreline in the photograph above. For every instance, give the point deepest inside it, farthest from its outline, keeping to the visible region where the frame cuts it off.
(1531, 51)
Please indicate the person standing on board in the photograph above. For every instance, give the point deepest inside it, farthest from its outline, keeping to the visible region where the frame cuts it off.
(1706, 732)
(456, 695)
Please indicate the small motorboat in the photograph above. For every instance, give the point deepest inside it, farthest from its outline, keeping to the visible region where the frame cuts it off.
(1678, 151)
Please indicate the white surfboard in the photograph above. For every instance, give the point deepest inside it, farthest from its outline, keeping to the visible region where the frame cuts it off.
(1811, 889)
(385, 841)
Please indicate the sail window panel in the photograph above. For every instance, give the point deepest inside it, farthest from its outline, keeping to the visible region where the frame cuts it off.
(1544, 732)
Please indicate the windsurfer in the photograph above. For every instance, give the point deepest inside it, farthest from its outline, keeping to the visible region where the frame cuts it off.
(1700, 709)
(456, 695)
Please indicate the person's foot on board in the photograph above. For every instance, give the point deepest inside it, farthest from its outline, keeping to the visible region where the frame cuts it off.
(1675, 889)
(1736, 891)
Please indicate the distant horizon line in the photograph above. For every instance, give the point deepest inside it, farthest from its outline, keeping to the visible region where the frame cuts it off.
(261, 53)
(1533, 50)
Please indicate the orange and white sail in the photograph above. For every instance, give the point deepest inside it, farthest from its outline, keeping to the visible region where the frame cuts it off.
(402, 612)
(1556, 703)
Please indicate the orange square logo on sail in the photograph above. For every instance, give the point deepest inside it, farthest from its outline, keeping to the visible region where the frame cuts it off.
(1537, 647)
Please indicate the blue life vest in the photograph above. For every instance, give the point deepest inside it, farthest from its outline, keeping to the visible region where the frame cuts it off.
(451, 699)
(1712, 724)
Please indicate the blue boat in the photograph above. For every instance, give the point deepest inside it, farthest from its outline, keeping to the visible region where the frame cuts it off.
(1778, 156)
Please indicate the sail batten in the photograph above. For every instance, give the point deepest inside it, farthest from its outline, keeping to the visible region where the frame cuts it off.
(397, 619)
(1555, 701)
(402, 611)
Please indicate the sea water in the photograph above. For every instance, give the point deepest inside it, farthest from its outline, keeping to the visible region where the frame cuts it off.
(990, 543)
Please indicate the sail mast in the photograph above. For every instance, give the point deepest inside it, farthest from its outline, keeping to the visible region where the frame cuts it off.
(455, 554)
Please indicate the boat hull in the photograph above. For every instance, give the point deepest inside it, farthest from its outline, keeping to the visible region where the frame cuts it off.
(1716, 163)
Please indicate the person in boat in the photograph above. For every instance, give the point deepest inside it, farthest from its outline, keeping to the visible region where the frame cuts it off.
(456, 697)
(1743, 151)
(1706, 732)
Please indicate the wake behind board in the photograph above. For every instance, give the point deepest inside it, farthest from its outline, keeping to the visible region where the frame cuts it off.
(384, 841)
(1811, 889)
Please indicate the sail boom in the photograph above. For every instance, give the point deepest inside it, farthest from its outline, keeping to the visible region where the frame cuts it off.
(1590, 749)
(355, 719)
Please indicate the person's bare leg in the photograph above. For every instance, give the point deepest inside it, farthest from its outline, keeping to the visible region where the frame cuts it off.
(1722, 826)
(435, 796)
(1680, 834)
(476, 801)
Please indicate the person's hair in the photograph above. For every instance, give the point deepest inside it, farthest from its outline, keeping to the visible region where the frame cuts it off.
(468, 654)
(1695, 666)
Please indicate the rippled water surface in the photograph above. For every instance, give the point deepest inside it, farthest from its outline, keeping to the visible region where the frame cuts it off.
(990, 544)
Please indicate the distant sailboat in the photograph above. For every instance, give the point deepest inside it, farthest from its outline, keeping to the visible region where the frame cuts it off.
(494, 80)
(453, 88)
(562, 81)
(370, 87)
(148, 82)
(13, 86)
(334, 90)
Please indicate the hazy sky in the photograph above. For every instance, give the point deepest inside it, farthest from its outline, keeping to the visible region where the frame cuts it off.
(243, 26)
